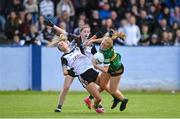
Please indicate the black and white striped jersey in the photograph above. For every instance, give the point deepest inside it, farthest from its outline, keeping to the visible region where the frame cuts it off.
(77, 61)
(75, 41)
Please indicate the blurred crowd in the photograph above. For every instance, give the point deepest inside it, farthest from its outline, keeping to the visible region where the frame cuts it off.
(145, 22)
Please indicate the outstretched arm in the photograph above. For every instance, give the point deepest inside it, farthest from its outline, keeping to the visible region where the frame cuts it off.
(94, 40)
(97, 38)
(114, 35)
(48, 22)
(59, 30)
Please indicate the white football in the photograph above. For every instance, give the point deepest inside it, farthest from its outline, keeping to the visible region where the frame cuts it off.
(99, 58)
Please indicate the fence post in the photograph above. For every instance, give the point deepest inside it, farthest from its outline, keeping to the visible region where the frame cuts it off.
(36, 67)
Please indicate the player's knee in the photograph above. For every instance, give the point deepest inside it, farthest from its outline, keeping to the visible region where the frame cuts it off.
(66, 88)
(98, 99)
(104, 87)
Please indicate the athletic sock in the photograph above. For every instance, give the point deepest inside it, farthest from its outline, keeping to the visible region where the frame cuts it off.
(91, 97)
(115, 102)
(59, 106)
(116, 99)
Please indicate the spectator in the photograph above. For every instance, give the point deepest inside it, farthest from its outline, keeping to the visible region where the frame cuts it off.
(153, 13)
(82, 6)
(132, 32)
(33, 36)
(143, 19)
(2, 18)
(22, 15)
(123, 23)
(34, 1)
(108, 25)
(134, 10)
(47, 35)
(2, 23)
(154, 41)
(105, 12)
(157, 5)
(165, 15)
(83, 17)
(26, 26)
(81, 23)
(95, 22)
(16, 40)
(177, 38)
(115, 19)
(66, 18)
(12, 26)
(31, 7)
(128, 14)
(101, 3)
(175, 15)
(144, 41)
(152, 16)
(166, 39)
(47, 8)
(162, 27)
(16, 6)
(172, 3)
(171, 38)
(142, 5)
(65, 5)
(175, 27)
(119, 8)
(40, 25)
(130, 4)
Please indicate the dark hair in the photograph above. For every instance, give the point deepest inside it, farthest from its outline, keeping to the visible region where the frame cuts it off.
(82, 28)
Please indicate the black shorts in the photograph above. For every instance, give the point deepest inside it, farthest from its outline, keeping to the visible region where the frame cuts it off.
(88, 76)
(120, 71)
(71, 73)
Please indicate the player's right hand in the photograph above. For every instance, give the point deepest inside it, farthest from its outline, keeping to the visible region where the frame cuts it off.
(48, 22)
(99, 34)
(89, 42)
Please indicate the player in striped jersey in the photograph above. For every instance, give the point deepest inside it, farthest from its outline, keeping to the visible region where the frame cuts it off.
(83, 67)
(74, 41)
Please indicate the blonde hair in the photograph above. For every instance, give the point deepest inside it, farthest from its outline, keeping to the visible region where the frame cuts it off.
(57, 39)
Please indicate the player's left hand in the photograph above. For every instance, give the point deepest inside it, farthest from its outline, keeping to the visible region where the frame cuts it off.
(94, 63)
(48, 22)
(121, 35)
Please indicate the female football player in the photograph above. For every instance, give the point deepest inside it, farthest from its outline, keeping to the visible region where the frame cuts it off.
(112, 70)
(74, 58)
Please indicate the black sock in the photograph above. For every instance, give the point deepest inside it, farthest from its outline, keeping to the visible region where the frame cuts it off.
(59, 106)
(91, 97)
(116, 98)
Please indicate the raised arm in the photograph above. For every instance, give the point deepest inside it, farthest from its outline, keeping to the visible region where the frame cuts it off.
(94, 40)
(114, 35)
(48, 22)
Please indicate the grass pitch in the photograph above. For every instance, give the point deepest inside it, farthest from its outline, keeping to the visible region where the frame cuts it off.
(29, 104)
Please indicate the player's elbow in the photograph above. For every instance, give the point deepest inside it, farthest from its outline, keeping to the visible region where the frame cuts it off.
(65, 72)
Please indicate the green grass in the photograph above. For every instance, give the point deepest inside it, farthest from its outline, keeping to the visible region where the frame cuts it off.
(29, 104)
